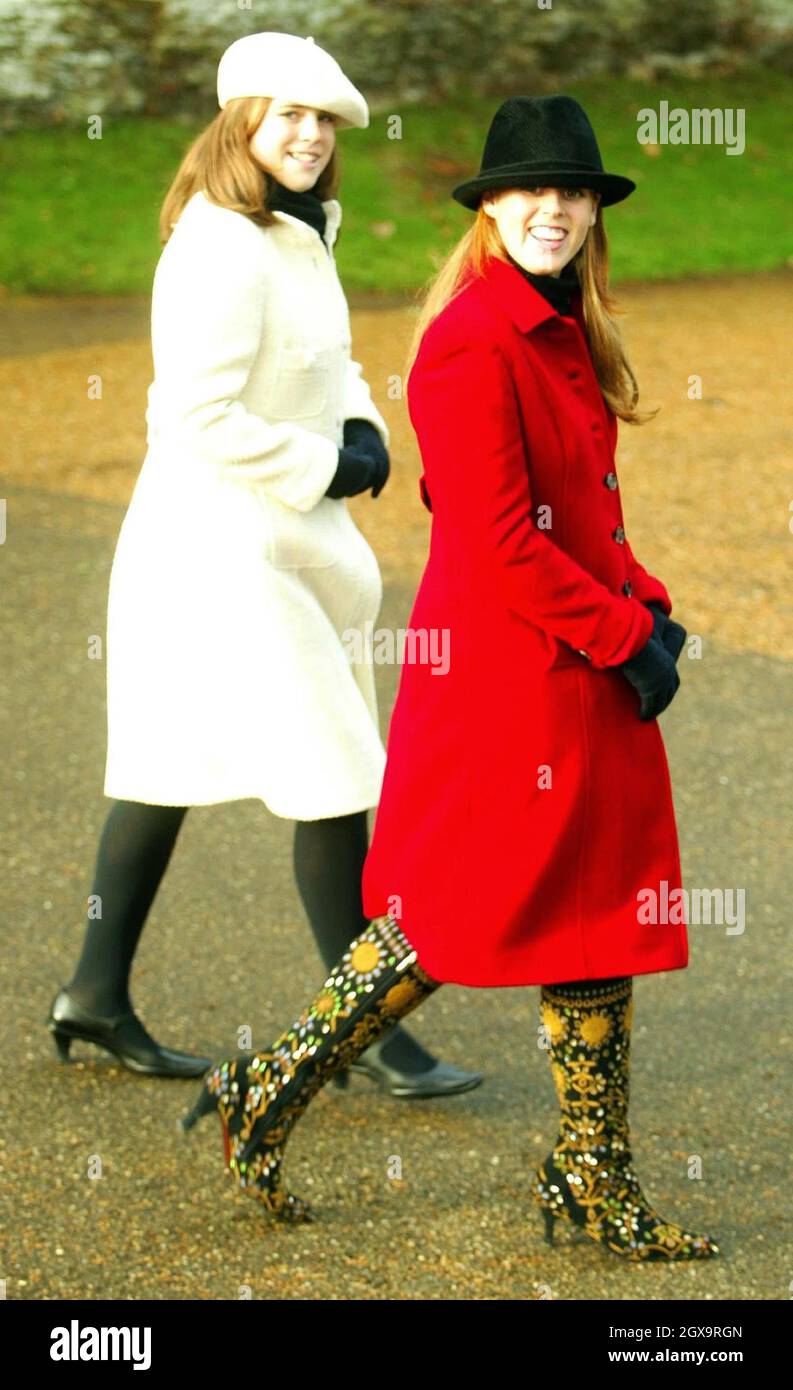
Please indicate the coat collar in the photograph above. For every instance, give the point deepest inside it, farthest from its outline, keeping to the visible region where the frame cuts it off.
(305, 233)
(520, 301)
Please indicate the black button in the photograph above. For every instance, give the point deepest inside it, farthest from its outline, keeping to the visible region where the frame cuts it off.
(574, 375)
(627, 588)
(619, 535)
(610, 480)
(596, 427)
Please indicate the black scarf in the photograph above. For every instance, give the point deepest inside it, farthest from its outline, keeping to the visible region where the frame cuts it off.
(307, 206)
(558, 290)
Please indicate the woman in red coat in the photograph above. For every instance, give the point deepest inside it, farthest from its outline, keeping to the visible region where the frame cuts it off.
(526, 831)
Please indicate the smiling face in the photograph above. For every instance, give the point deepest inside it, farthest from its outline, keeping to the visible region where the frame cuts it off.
(294, 143)
(543, 228)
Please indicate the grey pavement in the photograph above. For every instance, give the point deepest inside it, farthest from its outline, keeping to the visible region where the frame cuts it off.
(228, 944)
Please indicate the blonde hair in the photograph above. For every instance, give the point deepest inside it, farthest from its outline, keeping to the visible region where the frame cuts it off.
(220, 164)
(469, 259)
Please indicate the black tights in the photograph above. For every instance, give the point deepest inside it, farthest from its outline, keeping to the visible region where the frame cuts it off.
(134, 851)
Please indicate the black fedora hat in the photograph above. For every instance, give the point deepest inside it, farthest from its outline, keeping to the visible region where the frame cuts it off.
(545, 142)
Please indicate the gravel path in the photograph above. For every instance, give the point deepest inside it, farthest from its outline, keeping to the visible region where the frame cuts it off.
(227, 943)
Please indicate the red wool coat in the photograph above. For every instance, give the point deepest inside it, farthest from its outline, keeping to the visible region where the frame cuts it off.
(524, 804)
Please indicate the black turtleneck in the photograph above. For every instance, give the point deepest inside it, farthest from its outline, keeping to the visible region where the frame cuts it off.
(307, 206)
(558, 290)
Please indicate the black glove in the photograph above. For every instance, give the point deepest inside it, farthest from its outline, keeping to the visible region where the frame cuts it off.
(666, 631)
(653, 673)
(362, 436)
(355, 472)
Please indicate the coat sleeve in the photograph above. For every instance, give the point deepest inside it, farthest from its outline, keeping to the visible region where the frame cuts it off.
(358, 403)
(646, 587)
(208, 314)
(463, 407)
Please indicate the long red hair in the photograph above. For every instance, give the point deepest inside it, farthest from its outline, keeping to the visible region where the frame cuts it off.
(483, 241)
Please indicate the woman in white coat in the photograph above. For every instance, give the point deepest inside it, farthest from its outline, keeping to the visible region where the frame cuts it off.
(239, 573)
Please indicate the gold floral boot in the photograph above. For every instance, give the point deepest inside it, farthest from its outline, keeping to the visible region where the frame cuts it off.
(588, 1178)
(260, 1096)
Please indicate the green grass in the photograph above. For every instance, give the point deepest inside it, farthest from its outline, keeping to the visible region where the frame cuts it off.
(80, 215)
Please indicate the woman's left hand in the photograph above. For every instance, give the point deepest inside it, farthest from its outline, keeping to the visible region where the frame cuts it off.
(671, 634)
(362, 436)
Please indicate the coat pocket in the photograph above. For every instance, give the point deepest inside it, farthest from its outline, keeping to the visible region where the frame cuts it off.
(300, 389)
(546, 652)
(315, 539)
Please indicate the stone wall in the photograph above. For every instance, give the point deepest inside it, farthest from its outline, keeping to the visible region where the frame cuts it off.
(61, 60)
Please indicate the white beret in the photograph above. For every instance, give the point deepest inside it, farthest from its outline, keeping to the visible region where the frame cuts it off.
(273, 64)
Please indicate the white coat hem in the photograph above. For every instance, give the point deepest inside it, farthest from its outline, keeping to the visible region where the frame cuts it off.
(284, 810)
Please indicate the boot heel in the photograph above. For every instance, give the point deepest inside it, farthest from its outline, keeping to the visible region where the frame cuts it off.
(203, 1105)
(549, 1224)
(63, 1042)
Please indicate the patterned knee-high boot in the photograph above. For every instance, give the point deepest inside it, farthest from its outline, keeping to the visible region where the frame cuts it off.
(588, 1178)
(260, 1096)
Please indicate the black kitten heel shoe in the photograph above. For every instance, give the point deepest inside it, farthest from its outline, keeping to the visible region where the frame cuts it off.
(123, 1035)
(441, 1079)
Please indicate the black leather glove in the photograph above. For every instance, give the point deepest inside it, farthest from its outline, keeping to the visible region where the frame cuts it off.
(666, 631)
(362, 436)
(652, 672)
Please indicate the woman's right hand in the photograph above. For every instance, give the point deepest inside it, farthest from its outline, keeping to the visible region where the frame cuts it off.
(653, 673)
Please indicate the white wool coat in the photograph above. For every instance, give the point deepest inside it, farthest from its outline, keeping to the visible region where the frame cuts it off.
(236, 584)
